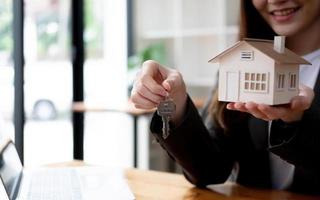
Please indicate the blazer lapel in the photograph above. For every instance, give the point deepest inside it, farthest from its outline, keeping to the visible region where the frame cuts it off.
(316, 90)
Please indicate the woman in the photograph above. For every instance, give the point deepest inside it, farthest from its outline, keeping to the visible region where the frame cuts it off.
(271, 147)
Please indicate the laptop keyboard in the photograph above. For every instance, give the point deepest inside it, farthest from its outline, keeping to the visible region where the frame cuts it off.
(55, 184)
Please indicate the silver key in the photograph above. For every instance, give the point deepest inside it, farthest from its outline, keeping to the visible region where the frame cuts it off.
(166, 110)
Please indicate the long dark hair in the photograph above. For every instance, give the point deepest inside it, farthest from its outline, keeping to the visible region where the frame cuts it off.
(252, 25)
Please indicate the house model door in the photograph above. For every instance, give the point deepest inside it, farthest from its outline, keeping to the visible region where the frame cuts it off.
(232, 86)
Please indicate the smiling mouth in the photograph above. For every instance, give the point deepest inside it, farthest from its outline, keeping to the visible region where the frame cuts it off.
(284, 12)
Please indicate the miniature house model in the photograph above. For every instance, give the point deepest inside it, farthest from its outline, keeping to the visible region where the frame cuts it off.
(261, 71)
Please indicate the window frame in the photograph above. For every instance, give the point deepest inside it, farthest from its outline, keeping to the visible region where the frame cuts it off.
(280, 81)
(256, 82)
(292, 81)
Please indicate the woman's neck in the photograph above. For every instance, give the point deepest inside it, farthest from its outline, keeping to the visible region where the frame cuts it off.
(306, 41)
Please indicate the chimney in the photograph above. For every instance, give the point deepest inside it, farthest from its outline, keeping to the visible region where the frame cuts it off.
(279, 44)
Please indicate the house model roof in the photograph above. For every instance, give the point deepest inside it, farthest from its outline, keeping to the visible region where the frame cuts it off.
(267, 48)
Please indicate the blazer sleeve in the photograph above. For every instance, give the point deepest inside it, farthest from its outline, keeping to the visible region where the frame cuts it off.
(299, 142)
(202, 152)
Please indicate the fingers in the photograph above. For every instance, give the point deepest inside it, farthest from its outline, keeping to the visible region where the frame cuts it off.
(300, 103)
(288, 113)
(142, 102)
(241, 107)
(158, 79)
(273, 113)
(260, 111)
(147, 93)
(148, 82)
(154, 83)
(151, 78)
(268, 113)
(237, 106)
(150, 68)
(254, 109)
(304, 99)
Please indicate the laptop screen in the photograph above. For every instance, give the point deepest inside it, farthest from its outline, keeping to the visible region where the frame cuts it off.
(10, 168)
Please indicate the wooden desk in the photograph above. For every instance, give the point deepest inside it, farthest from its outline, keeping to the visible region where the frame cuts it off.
(130, 110)
(148, 185)
(153, 185)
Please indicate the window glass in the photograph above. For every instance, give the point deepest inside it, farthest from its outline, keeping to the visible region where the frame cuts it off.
(6, 68)
(48, 82)
(105, 84)
(93, 33)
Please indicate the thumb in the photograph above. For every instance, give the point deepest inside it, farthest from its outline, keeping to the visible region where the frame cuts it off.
(299, 103)
(304, 99)
(173, 81)
(167, 85)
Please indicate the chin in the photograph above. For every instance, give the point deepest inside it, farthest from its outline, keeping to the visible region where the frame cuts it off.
(285, 30)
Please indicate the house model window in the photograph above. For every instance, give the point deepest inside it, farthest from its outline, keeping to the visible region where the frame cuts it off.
(293, 81)
(280, 81)
(255, 82)
(246, 55)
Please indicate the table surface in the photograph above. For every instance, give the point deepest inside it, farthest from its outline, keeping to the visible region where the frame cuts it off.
(154, 185)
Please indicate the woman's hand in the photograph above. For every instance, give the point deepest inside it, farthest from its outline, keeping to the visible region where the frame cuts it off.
(154, 83)
(288, 113)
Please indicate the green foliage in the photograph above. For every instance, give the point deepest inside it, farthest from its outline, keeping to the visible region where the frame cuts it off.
(5, 27)
(93, 34)
(153, 52)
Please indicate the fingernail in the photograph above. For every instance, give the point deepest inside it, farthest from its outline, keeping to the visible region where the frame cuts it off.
(164, 93)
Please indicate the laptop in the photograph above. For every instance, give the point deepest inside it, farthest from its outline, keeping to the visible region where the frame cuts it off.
(69, 183)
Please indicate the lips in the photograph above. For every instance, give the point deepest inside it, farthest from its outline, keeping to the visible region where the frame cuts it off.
(285, 14)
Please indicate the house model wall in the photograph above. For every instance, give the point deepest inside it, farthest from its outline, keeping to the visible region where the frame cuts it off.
(261, 71)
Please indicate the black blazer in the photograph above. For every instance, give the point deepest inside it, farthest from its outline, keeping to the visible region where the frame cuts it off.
(207, 155)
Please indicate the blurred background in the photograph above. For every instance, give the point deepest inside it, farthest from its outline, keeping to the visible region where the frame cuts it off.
(117, 37)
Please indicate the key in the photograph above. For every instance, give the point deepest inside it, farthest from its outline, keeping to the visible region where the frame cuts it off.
(166, 110)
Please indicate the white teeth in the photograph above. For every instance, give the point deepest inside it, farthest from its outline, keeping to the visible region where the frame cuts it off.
(284, 12)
